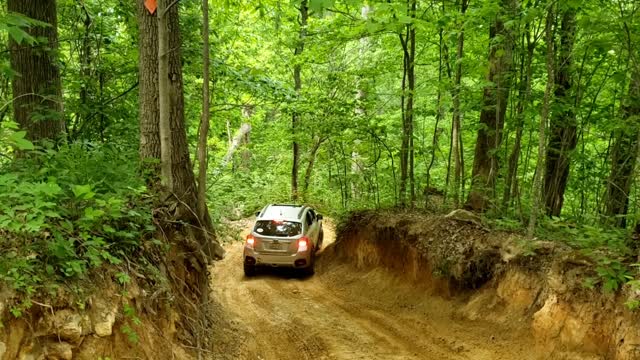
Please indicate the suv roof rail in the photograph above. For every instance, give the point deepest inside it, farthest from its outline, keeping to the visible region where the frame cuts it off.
(301, 211)
(302, 208)
(263, 210)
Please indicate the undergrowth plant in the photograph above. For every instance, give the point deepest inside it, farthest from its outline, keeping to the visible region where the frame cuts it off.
(67, 212)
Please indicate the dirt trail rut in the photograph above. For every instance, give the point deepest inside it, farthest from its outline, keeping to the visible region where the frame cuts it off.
(341, 313)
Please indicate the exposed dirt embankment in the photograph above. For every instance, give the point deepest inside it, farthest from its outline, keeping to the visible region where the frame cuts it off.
(134, 311)
(111, 324)
(496, 277)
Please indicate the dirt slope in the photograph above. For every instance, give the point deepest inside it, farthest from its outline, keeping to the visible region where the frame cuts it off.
(344, 313)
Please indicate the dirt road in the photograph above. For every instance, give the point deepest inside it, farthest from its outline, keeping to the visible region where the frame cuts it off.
(341, 313)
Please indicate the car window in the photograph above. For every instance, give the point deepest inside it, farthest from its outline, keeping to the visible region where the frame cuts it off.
(313, 214)
(309, 218)
(278, 228)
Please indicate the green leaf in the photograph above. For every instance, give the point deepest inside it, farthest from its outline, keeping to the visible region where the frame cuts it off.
(318, 5)
(18, 140)
(92, 214)
(16, 34)
(83, 192)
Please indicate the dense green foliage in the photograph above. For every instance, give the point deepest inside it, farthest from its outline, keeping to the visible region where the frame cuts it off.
(80, 209)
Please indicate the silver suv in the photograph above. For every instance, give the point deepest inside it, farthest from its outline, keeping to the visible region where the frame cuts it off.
(284, 236)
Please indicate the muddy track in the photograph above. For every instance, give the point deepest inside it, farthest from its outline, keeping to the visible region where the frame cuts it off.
(341, 313)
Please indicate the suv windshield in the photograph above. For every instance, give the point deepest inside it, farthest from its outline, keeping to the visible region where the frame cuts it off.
(278, 228)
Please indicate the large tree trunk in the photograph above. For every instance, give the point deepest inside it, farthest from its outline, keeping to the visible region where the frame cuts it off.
(148, 90)
(485, 162)
(150, 142)
(297, 69)
(623, 157)
(37, 89)
(184, 185)
(192, 239)
(563, 134)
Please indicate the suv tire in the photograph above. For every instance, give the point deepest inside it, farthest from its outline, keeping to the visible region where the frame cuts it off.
(249, 270)
(320, 240)
(311, 269)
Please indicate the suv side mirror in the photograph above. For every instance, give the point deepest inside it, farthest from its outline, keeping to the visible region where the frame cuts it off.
(320, 217)
(258, 214)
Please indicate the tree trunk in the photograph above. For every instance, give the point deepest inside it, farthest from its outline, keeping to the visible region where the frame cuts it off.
(623, 156)
(148, 92)
(404, 146)
(184, 185)
(455, 126)
(360, 111)
(361, 93)
(164, 96)
(204, 123)
(563, 134)
(410, 99)
(536, 188)
(439, 114)
(37, 90)
(244, 130)
(297, 69)
(523, 103)
(84, 58)
(312, 161)
(485, 162)
(408, 83)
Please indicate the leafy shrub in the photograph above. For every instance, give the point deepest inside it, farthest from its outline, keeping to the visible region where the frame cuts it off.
(585, 236)
(66, 212)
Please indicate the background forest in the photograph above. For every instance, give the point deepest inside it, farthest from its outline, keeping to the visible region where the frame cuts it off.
(527, 111)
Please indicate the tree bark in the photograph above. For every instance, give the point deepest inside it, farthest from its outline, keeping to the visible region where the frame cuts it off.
(623, 156)
(148, 91)
(204, 122)
(563, 126)
(411, 98)
(404, 146)
(439, 113)
(523, 102)
(84, 58)
(536, 188)
(485, 162)
(244, 130)
(37, 90)
(312, 161)
(406, 151)
(297, 69)
(164, 96)
(184, 185)
(456, 142)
